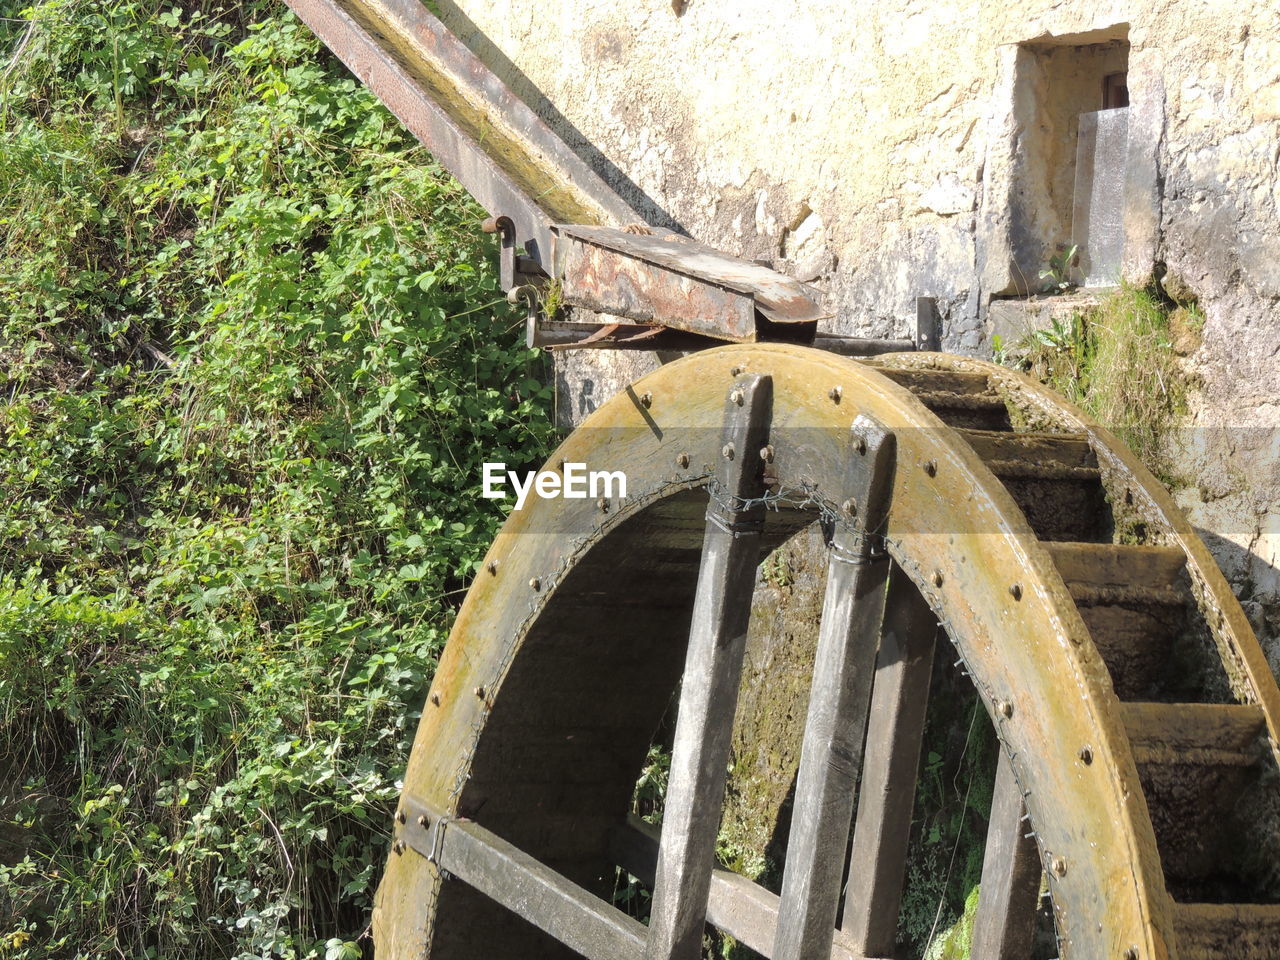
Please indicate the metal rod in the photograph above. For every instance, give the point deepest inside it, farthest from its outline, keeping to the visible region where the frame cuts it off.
(713, 664)
(844, 663)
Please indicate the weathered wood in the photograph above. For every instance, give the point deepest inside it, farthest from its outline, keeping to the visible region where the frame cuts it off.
(844, 664)
(1217, 931)
(1098, 566)
(1005, 925)
(522, 884)
(744, 910)
(899, 697)
(713, 664)
(1206, 734)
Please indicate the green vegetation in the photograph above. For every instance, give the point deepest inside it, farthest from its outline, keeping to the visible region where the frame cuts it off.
(252, 354)
(1117, 360)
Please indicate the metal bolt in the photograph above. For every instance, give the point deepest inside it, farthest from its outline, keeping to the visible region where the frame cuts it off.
(937, 578)
(835, 393)
(766, 453)
(850, 508)
(492, 567)
(1086, 755)
(931, 467)
(683, 461)
(735, 372)
(422, 820)
(535, 584)
(435, 699)
(1059, 866)
(727, 451)
(1006, 708)
(646, 400)
(399, 847)
(1015, 591)
(479, 692)
(736, 396)
(603, 505)
(400, 817)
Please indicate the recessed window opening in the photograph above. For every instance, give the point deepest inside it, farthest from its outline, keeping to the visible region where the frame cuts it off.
(1070, 153)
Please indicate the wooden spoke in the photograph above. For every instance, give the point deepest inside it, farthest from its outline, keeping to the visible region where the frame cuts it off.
(878, 852)
(743, 909)
(476, 856)
(713, 665)
(1006, 922)
(843, 667)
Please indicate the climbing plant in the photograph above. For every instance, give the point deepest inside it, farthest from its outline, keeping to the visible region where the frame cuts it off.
(252, 355)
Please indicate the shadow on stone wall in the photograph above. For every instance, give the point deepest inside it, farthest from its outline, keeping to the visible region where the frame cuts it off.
(1248, 575)
(645, 207)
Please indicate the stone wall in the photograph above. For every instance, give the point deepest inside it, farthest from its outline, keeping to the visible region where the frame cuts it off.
(900, 148)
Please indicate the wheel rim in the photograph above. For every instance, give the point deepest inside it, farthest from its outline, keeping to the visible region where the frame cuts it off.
(582, 623)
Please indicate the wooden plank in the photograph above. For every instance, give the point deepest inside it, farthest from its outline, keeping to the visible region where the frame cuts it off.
(713, 665)
(899, 698)
(1227, 931)
(744, 910)
(1005, 925)
(844, 664)
(1205, 734)
(529, 888)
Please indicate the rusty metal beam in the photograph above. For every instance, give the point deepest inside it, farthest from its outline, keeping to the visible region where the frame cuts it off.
(678, 282)
(497, 147)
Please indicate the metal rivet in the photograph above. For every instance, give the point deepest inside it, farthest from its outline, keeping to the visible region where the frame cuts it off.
(1015, 591)
(435, 699)
(1006, 708)
(835, 393)
(683, 461)
(603, 505)
(850, 508)
(727, 451)
(937, 578)
(735, 372)
(422, 820)
(1086, 755)
(737, 397)
(492, 567)
(399, 847)
(766, 453)
(1059, 866)
(479, 692)
(400, 817)
(560, 467)
(646, 400)
(535, 584)
(931, 467)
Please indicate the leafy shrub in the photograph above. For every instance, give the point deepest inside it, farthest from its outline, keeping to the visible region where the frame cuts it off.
(252, 355)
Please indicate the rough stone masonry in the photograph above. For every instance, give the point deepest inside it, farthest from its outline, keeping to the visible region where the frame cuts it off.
(892, 149)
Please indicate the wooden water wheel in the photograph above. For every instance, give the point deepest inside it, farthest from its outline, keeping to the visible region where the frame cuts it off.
(1136, 713)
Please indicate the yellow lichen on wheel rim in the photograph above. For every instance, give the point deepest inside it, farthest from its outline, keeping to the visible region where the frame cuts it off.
(953, 528)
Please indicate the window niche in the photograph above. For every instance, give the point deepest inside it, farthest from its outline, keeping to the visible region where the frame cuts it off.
(1064, 156)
